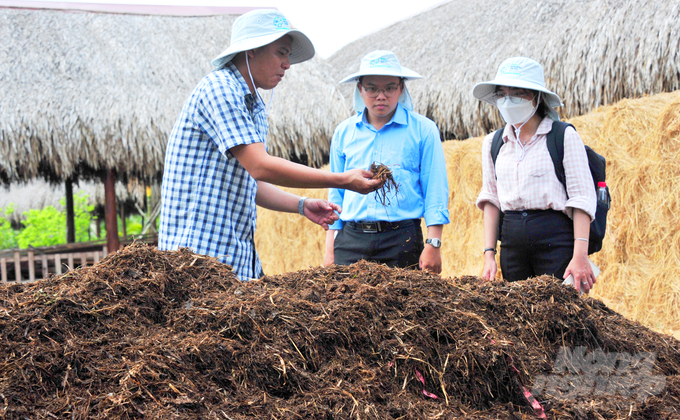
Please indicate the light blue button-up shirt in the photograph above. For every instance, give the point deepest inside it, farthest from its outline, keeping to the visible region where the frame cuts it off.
(411, 147)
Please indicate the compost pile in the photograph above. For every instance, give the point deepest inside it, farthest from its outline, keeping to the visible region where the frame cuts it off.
(174, 335)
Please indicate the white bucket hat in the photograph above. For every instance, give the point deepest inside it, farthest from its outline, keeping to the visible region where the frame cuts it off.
(262, 27)
(381, 63)
(519, 72)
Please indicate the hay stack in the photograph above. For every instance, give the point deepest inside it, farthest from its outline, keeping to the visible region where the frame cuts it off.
(594, 53)
(640, 260)
(641, 254)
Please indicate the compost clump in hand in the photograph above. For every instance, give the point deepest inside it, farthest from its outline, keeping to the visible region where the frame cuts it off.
(382, 172)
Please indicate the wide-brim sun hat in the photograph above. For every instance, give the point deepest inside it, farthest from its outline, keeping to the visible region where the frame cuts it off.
(262, 27)
(518, 72)
(381, 63)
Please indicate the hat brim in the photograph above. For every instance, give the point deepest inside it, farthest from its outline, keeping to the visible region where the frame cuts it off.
(302, 47)
(484, 91)
(405, 73)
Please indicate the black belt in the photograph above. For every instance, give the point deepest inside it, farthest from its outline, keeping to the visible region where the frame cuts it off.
(527, 212)
(378, 226)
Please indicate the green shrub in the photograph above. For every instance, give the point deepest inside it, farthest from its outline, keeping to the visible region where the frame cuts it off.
(48, 226)
(8, 236)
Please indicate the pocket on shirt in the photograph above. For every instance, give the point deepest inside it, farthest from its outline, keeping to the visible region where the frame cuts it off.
(407, 159)
(538, 173)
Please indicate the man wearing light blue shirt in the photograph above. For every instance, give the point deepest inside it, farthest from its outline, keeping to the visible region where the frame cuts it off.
(386, 131)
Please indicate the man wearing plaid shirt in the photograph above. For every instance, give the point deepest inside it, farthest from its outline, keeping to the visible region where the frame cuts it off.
(217, 169)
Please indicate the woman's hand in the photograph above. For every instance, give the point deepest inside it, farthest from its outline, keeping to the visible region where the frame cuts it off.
(580, 268)
(492, 216)
(490, 266)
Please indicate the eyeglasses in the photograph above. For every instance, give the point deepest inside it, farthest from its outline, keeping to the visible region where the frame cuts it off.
(389, 91)
(515, 96)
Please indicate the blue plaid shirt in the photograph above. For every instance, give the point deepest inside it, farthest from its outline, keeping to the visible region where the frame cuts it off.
(208, 198)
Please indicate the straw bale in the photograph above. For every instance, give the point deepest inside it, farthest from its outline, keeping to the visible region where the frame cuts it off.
(640, 259)
(84, 92)
(462, 237)
(594, 53)
(288, 242)
(641, 254)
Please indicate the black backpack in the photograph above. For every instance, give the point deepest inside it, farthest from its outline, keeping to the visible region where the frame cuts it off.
(597, 163)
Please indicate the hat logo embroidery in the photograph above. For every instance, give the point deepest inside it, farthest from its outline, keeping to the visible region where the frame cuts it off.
(281, 23)
(510, 69)
(379, 62)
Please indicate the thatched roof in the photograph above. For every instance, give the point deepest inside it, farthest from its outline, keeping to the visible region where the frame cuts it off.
(594, 53)
(82, 92)
(306, 109)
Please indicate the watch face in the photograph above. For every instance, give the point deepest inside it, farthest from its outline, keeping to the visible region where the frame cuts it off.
(434, 242)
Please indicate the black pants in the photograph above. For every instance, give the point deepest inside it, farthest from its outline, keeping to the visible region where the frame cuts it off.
(397, 244)
(536, 242)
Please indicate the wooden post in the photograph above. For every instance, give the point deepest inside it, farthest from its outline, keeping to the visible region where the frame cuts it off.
(45, 269)
(31, 266)
(112, 240)
(17, 266)
(70, 217)
(153, 200)
(145, 205)
(3, 268)
(123, 224)
(57, 263)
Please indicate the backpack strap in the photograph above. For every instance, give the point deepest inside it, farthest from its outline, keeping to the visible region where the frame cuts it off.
(555, 143)
(496, 145)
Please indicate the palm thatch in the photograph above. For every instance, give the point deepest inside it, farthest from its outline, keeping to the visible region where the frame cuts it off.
(594, 53)
(82, 93)
(306, 108)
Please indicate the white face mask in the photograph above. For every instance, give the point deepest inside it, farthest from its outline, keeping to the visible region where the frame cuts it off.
(519, 113)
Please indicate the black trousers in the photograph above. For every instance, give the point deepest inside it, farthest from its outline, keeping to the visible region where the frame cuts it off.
(397, 244)
(536, 242)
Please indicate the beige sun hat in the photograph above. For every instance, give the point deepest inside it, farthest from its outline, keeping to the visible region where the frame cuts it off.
(262, 27)
(519, 72)
(381, 63)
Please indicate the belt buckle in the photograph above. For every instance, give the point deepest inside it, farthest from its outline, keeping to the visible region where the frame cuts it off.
(370, 227)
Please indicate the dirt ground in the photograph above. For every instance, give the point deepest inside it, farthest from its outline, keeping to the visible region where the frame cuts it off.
(146, 334)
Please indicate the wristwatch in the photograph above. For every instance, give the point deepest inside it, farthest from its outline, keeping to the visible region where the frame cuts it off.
(434, 242)
(301, 206)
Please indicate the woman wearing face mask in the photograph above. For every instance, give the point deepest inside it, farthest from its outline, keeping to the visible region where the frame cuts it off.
(545, 228)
